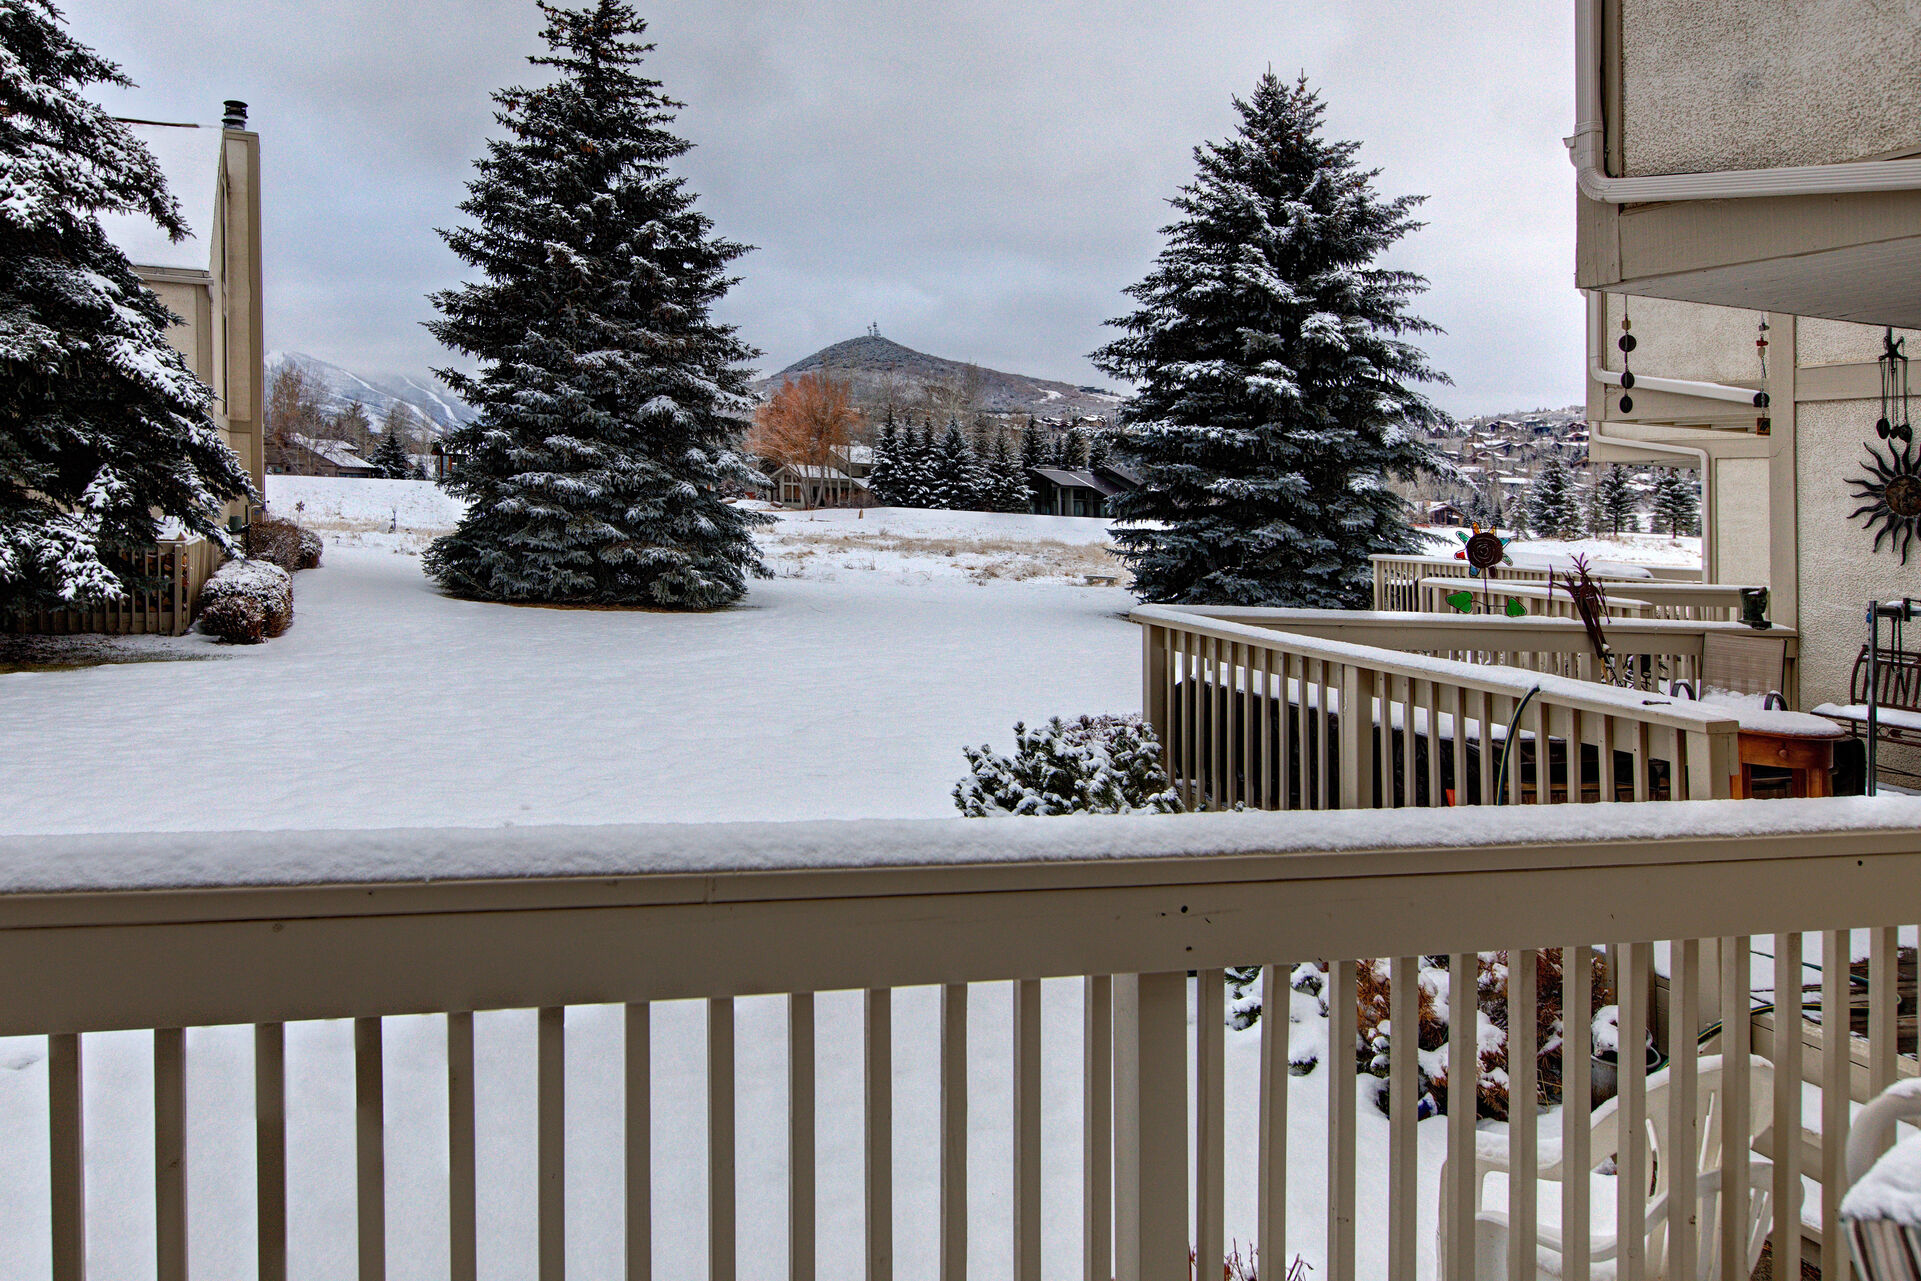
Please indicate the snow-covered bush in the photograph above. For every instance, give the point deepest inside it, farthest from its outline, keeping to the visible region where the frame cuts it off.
(247, 601)
(1374, 1042)
(284, 543)
(1093, 765)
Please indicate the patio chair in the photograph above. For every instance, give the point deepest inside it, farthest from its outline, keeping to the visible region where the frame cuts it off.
(1491, 1167)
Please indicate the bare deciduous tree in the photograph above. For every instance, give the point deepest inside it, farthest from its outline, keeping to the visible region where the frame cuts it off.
(803, 425)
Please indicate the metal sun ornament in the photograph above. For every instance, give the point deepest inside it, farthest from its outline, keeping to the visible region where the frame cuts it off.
(1890, 493)
(1483, 549)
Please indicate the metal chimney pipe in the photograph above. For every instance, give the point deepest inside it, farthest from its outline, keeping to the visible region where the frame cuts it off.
(234, 115)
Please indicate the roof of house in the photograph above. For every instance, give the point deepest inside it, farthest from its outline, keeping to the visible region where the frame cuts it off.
(1077, 480)
(189, 157)
(807, 471)
(855, 455)
(338, 452)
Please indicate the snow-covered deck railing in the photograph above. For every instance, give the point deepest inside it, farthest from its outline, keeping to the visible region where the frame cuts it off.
(1249, 706)
(1670, 593)
(171, 932)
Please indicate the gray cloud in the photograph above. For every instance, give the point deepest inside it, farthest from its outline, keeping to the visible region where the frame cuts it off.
(981, 177)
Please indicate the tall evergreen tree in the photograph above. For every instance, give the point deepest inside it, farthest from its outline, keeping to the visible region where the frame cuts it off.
(1007, 479)
(1070, 449)
(1033, 454)
(104, 429)
(390, 456)
(1553, 505)
(957, 478)
(1097, 448)
(1615, 500)
(1677, 505)
(1274, 371)
(883, 477)
(597, 467)
(921, 484)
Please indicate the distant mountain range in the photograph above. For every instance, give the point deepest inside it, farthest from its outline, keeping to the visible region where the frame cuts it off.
(882, 371)
(377, 392)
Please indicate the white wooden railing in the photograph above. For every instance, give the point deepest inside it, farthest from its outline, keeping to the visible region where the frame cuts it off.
(1250, 704)
(1668, 592)
(178, 932)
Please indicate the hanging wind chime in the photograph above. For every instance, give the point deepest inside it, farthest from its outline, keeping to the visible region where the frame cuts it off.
(1890, 492)
(1626, 343)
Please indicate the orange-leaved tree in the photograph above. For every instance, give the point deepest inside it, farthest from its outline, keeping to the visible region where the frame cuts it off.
(803, 425)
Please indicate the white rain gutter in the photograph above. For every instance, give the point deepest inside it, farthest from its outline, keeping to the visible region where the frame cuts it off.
(1597, 344)
(1586, 150)
(1597, 369)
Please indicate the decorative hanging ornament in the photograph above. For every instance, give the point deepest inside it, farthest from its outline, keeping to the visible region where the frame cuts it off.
(1483, 550)
(1895, 422)
(1890, 493)
(1626, 343)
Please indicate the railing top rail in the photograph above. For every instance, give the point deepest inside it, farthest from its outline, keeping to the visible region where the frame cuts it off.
(1260, 615)
(1655, 572)
(1531, 590)
(337, 924)
(1586, 696)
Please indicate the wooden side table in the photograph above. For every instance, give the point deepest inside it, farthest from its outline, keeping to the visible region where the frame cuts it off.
(1809, 758)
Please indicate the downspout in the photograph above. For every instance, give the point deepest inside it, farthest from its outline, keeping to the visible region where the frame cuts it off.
(1586, 150)
(1597, 345)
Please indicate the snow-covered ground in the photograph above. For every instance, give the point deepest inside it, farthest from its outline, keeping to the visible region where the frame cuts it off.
(1629, 549)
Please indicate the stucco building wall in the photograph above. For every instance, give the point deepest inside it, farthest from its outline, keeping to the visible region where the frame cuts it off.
(1685, 339)
(1756, 84)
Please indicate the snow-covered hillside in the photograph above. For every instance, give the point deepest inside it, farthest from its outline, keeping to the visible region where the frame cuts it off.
(423, 392)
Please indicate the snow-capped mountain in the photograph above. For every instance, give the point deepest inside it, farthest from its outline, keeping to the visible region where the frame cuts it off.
(378, 391)
(881, 371)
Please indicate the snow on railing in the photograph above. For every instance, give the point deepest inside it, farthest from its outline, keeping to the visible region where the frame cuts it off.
(606, 932)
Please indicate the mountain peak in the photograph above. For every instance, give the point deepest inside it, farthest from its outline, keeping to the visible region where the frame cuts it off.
(881, 372)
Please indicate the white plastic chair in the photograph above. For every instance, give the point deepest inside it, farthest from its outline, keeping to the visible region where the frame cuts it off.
(1492, 1164)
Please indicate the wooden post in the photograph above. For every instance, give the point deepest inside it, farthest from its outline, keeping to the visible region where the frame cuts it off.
(1150, 1127)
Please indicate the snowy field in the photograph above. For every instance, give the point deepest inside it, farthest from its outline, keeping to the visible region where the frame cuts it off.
(843, 687)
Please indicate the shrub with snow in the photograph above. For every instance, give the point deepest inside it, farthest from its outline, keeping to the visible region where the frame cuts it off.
(1374, 1042)
(283, 543)
(1093, 765)
(247, 601)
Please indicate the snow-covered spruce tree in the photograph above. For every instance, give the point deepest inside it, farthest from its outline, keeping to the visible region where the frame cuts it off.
(1033, 454)
(390, 456)
(1070, 450)
(1677, 508)
(1007, 479)
(1553, 503)
(957, 477)
(597, 466)
(917, 484)
(104, 429)
(1616, 503)
(1274, 400)
(883, 476)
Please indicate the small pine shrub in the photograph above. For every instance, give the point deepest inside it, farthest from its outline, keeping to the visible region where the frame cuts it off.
(246, 602)
(1093, 765)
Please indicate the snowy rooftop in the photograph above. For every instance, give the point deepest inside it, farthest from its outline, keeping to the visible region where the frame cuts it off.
(338, 452)
(189, 156)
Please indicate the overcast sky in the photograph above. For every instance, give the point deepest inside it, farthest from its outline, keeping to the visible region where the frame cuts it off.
(980, 178)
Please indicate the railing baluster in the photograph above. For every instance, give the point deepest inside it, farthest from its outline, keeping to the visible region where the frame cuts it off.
(877, 1087)
(1481, 707)
(1271, 1192)
(1190, 723)
(1210, 1120)
(1150, 1127)
(1737, 1044)
(639, 1157)
(1435, 795)
(1457, 724)
(370, 1149)
(170, 1153)
(1239, 691)
(1577, 1001)
(1381, 701)
(1343, 1015)
(800, 1137)
(1217, 731)
(1263, 730)
(270, 1149)
(1027, 1130)
(953, 1132)
(1786, 1241)
(1523, 1014)
(1684, 1017)
(1835, 1068)
(1097, 1129)
(1403, 1103)
(551, 1131)
(1463, 1093)
(722, 1242)
(463, 1222)
(1883, 1001)
(1604, 758)
(1631, 1074)
(1639, 757)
